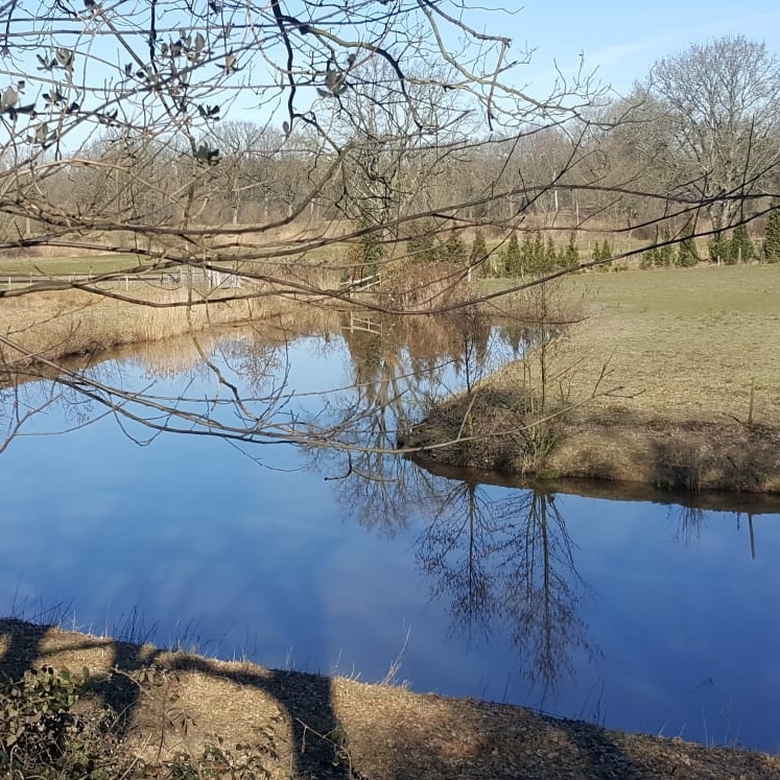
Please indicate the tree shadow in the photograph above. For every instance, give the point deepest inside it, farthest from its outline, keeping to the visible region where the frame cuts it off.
(133, 677)
(382, 733)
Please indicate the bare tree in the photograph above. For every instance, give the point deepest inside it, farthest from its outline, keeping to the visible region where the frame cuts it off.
(722, 102)
(113, 140)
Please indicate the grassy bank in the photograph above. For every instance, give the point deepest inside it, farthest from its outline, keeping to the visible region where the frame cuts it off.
(669, 378)
(685, 344)
(132, 711)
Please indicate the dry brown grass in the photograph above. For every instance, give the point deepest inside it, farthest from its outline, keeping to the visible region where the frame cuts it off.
(686, 345)
(414, 287)
(299, 726)
(683, 345)
(58, 324)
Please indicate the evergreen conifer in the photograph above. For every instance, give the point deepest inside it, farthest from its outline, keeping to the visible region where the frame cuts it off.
(512, 257)
(771, 248)
(687, 254)
(741, 246)
(570, 256)
(453, 250)
(478, 255)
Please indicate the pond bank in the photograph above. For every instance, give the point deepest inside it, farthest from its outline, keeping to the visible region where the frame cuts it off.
(665, 381)
(490, 431)
(172, 706)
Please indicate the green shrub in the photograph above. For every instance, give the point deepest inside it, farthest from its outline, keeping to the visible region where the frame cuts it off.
(479, 254)
(41, 736)
(527, 256)
(550, 254)
(453, 250)
(664, 251)
(570, 256)
(687, 254)
(421, 245)
(771, 246)
(719, 248)
(741, 246)
(512, 257)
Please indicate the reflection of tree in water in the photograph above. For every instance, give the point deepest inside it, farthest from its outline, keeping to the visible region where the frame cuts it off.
(376, 488)
(455, 552)
(688, 521)
(25, 398)
(509, 560)
(398, 367)
(544, 590)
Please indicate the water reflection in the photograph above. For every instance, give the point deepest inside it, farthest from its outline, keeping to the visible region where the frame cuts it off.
(689, 523)
(501, 566)
(398, 369)
(510, 559)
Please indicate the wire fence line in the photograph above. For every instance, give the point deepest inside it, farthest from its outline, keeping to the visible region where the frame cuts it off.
(187, 278)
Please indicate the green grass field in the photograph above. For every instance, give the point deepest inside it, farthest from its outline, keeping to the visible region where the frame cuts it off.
(687, 344)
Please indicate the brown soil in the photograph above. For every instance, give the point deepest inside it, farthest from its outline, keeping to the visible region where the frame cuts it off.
(307, 726)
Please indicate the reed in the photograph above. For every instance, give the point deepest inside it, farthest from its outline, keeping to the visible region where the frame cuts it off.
(53, 325)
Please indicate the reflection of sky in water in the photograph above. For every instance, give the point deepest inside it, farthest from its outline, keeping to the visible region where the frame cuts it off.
(246, 560)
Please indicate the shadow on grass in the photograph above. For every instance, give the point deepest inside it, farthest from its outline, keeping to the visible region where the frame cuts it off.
(141, 684)
(382, 733)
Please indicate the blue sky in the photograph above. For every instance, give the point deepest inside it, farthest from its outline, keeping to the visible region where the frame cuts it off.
(620, 41)
(625, 39)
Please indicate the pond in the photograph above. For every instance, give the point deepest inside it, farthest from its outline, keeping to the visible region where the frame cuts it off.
(640, 614)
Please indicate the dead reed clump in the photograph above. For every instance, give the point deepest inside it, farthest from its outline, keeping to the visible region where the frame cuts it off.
(410, 286)
(53, 325)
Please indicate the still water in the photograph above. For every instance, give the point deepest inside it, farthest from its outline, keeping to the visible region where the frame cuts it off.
(638, 614)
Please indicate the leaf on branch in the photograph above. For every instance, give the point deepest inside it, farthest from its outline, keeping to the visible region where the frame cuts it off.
(46, 64)
(108, 118)
(335, 79)
(43, 137)
(65, 58)
(230, 65)
(9, 99)
(209, 112)
(53, 98)
(8, 103)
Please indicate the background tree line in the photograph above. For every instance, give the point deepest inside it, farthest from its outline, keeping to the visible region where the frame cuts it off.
(693, 151)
